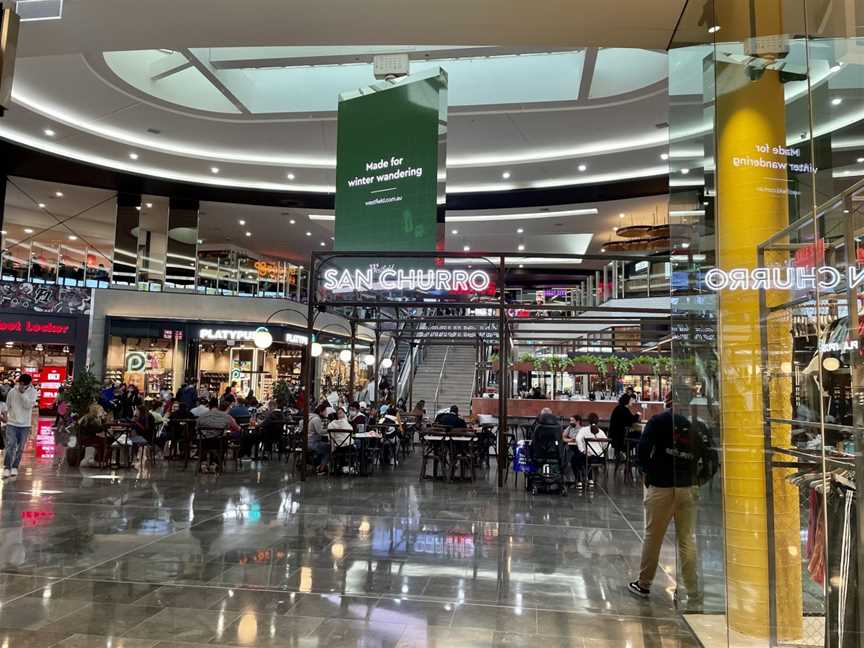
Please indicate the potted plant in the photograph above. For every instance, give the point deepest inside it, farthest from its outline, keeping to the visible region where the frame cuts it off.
(281, 393)
(80, 394)
(525, 362)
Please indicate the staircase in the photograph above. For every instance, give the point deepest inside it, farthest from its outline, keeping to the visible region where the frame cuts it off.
(457, 382)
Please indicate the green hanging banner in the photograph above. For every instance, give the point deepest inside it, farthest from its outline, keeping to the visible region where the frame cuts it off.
(390, 165)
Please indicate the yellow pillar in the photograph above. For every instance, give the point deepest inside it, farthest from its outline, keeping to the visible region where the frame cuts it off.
(750, 114)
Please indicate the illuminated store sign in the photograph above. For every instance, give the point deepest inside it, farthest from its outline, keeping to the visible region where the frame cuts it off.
(786, 278)
(411, 279)
(838, 347)
(236, 335)
(294, 338)
(28, 326)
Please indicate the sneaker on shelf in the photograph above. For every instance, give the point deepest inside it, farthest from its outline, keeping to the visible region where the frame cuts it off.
(579, 485)
(14, 472)
(7, 473)
(637, 590)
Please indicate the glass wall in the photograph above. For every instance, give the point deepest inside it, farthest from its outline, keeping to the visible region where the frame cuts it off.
(79, 236)
(766, 165)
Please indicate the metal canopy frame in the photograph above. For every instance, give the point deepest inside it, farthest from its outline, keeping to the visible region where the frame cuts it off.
(494, 325)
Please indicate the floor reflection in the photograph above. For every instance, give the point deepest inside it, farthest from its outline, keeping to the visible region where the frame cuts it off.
(166, 558)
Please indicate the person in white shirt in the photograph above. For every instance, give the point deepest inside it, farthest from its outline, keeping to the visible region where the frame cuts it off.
(582, 459)
(19, 417)
(200, 409)
(339, 428)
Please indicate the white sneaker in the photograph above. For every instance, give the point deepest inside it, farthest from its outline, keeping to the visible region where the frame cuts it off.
(14, 472)
(6, 473)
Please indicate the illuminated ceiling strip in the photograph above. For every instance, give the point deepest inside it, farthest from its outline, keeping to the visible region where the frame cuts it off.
(659, 138)
(322, 217)
(529, 216)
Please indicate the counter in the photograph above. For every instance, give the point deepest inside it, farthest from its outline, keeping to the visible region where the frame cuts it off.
(531, 407)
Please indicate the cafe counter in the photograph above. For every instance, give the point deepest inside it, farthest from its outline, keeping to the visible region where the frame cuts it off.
(528, 407)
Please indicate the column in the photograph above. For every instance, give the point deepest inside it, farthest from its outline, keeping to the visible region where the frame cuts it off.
(750, 113)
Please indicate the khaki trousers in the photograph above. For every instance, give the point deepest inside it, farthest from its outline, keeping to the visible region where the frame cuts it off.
(661, 506)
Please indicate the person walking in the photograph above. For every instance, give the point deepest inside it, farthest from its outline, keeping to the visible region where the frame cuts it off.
(19, 417)
(670, 453)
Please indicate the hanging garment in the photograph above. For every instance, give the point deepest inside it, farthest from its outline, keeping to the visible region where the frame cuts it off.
(842, 627)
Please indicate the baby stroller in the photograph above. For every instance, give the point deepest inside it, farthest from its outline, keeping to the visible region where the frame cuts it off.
(548, 476)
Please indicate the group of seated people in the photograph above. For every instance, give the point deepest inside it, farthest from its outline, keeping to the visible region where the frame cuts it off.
(330, 428)
(573, 443)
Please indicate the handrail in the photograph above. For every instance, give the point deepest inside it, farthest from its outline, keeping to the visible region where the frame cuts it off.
(441, 376)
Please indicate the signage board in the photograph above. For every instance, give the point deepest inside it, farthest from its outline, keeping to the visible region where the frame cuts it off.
(50, 381)
(37, 328)
(390, 156)
(782, 278)
(388, 279)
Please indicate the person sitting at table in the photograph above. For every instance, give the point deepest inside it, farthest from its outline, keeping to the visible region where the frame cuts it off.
(390, 426)
(620, 421)
(340, 427)
(90, 432)
(356, 417)
(213, 424)
(143, 429)
(239, 412)
(173, 430)
(451, 419)
(573, 427)
(581, 458)
(250, 399)
(546, 437)
(272, 428)
(317, 439)
(200, 408)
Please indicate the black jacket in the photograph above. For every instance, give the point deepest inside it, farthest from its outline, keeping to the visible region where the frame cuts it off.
(619, 423)
(451, 420)
(546, 437)
(670, 450)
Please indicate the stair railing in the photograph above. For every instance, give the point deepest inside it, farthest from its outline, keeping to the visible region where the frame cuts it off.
(441, 377)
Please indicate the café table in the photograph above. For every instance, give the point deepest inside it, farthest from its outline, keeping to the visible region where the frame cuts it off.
(363, 440)
(115, 433)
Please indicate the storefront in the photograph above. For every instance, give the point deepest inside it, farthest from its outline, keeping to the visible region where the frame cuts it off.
(162, 354)
(47, 347)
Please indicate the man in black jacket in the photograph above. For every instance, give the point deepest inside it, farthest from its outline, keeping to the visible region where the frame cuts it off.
(547, 440)
(451, 419)
(669, 453)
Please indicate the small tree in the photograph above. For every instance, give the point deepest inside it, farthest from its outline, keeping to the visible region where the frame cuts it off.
(281, 393)
(83, 392)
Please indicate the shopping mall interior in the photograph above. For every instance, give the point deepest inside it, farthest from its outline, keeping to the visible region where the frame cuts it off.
(341, 324)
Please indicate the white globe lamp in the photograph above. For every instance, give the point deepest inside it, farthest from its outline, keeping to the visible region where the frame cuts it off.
(262, 338)
(316, 349)
(345, 355)
(369, 359)
(386, 363)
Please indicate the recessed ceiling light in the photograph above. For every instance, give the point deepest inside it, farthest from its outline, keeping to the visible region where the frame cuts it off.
(521, 247)
(138, 207)
(59, 194)
(845, 211)
(72, 237)
(860, 160)
(836, 101)
(292, 221)
(41, 205)
(214, 169)
(521, 265)
(241, 222)
(520, 230)
(200, 241)
(308, 233)
(49, 132)
(332, 238)
(685, 171)
(685, 245)
(323, 244)
(621, 215)
(248, 233)
(615, 229)
(506, 175)
(148, 205)
(27, 230)
(467, 248)
(602, 250)
(290, 176)
(133, 156)
(664, 156)
(582, 167)
(322, 217)
(454, 232)
(2, 231)
(713, 29)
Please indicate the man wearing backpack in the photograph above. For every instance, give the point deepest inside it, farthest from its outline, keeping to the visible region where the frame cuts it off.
(675, 459)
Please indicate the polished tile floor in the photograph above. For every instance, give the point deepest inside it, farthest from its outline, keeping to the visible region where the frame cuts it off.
(166, 559)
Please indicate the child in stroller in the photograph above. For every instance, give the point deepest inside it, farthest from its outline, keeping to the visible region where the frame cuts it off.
(547, 448)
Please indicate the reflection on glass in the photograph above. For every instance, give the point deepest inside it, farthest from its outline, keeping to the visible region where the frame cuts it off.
(182, 243)
(125, 260)
(152, 244)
